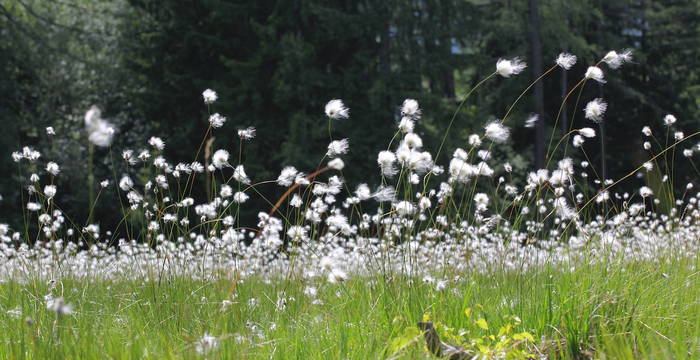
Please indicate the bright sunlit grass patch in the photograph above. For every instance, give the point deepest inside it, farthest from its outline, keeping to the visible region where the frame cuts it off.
(608, 310)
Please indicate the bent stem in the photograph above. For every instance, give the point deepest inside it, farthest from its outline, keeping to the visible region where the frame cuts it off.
(294, 187)
(526, 90)
(663, 152)
(556, 121)
(454, 116)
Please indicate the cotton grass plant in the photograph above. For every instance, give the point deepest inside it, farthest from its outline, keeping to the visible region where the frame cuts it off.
(433, 221)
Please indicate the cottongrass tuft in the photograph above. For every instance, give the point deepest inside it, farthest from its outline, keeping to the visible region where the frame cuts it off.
(247, 133)
(52, 168)
(595, 73)
(507, 68)
(410, 108)
(100, 132)
(669, 120)
(566, 60)
(209, 96)
(587, 132)
(615, 59)
(220, 158)
(335, 109)
(338, 147)
(595, 110)
(496, 132)
(216, 120)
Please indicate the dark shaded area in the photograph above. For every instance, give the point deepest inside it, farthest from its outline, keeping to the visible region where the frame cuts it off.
(275, 64)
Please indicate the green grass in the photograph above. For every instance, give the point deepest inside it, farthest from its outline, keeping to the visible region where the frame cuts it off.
(607, 311)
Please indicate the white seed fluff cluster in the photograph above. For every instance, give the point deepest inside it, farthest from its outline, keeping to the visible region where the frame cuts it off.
(429, 210)
(507, 68)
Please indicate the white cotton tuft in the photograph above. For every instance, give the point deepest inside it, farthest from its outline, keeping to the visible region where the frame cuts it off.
(220, 158)
(157, 143)
(240, 175)
(216, 120)
(410, 108)
(209, 96)
(247, 133)
(595, 73)
(336, 164)
(338, 147)
(496, 132)
(506, 68)
(287, 176)
(595, 110)
(587, 132)
(566, 60)
(615, 59)
(669, 120)
(100, 132)
(335, 109)
(52, 168)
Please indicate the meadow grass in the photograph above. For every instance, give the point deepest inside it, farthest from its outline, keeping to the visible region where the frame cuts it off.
(553, 264)
(611, 310)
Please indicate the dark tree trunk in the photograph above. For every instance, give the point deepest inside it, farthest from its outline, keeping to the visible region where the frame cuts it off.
(536, 59)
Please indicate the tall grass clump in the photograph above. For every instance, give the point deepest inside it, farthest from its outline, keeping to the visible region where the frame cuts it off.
(558, 262)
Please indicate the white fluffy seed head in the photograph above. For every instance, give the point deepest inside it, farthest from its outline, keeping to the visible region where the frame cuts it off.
(209, 96)
(287, 176)
(335, 109)
(413, 141)
(247, 133)
(506, 68)
(406, 125)
(474, 140)
(220, 158)
(587, 132)
(410, 108)
(240, 197)
(336, 164)
(496, 132)
(566, 60)
(52, 168)
(669, 120)
(50, 191)
(216, 120)
(595, 110)
(615, 59)
(595, 73)
(338, 147)
(157, 143)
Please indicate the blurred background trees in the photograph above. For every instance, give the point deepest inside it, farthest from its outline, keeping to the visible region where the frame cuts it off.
(276, 63)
